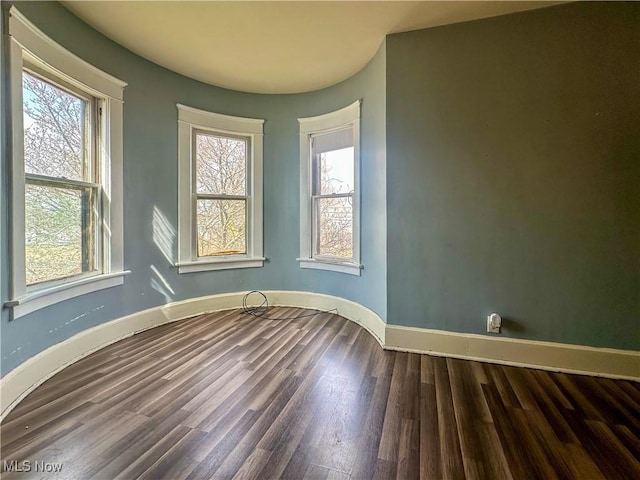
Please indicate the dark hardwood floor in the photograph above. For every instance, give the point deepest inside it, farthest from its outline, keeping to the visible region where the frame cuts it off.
(227, 395)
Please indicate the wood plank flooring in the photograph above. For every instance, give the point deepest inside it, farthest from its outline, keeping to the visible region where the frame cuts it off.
(228, 395)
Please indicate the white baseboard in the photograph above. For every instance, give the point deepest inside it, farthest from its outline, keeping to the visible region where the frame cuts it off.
(22, 380)
(612, 363)
(559, 357)
(353, 311)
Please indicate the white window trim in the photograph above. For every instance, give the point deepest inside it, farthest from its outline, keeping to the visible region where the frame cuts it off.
(190, 118)
(345, 117)
(29, 43)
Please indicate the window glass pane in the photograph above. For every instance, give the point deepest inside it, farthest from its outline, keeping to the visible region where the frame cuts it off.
(334, 227)
(58, 232)
(221, 227)
(336, 171)
(54, 130)
(220, 165)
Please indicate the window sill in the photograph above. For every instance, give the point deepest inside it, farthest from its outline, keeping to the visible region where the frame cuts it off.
(341, 267)
(220, 264)
(33, 301)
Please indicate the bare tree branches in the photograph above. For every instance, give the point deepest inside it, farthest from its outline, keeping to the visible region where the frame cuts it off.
(54, 130)
(54, 146)
(335, 215)
(221, 169)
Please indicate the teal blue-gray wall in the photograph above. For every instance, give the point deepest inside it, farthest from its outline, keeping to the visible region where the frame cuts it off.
(514, 175)
(150, 190)
(499, 172)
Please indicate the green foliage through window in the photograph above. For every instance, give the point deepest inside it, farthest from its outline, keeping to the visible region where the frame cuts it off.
(60, 202)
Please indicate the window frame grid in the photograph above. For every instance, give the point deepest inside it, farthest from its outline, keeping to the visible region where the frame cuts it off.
(219, 196)
(29, 48)
(316, 195)
(347, 117)
(249, 130)
(90, 164)
(246, 226)
(316, 231)
(91, 173)
(92, 250)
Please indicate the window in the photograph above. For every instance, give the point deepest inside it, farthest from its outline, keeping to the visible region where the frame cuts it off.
(220, 191)
(61, 183)
(221, 194)
(66, 182)
(329, 191)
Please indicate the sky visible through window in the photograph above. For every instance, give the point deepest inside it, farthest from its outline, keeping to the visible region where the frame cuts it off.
(57, 225)
(334, 216)
(337, 169)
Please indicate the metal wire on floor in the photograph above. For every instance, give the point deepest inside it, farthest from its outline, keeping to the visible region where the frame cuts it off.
(260, 311)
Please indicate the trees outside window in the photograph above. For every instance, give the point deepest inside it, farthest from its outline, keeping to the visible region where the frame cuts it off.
(330, 192)
(219, 191)
(65, 191)
(333, 203)
(60, 185)
(221, 186)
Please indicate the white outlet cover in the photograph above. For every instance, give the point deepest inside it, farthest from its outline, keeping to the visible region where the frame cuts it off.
(493, 323)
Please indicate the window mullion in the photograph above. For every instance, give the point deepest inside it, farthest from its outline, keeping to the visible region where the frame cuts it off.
(68, 247)
(334, 195)
(58, 181)
(86, 226)
(61, 226)
(215, 196)
(329, 220)
(214, 149)
(224, 196)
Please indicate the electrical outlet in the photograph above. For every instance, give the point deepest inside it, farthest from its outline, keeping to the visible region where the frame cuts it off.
(494, 322)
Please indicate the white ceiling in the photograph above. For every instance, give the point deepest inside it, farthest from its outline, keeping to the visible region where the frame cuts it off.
(271, 47)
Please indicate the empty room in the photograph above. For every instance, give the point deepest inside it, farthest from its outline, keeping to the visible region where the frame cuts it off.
(320, 240)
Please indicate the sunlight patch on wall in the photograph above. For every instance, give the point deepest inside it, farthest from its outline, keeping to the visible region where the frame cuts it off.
(164, 235)
(160, 285)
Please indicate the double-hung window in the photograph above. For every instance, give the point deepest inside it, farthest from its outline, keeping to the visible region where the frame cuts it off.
(62, 183)
(329, 191)
(220, 191)
(66, 174)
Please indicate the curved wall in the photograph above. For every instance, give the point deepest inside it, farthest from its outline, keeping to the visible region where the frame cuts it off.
(150, 191)
(518, 171)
